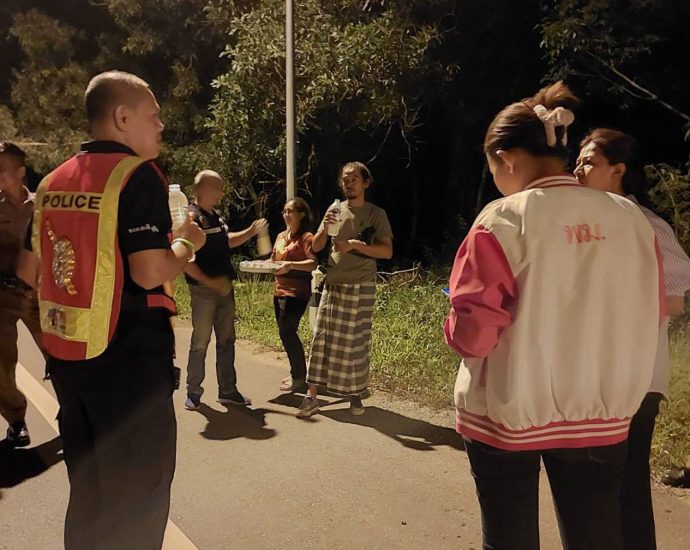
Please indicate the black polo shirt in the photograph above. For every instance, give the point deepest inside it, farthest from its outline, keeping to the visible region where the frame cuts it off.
(214, 258)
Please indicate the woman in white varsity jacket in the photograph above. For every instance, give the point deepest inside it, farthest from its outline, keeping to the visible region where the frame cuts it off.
(610, 161)
(556, 298)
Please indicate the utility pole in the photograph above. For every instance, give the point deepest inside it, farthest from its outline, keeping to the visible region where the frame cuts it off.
(290, 100)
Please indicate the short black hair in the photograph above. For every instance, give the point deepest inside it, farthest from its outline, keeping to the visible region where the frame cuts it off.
(8, 148)
(107, 90)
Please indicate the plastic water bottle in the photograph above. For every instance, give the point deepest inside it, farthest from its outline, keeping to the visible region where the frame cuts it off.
(334, 228)
(263, 242)
(177, 202)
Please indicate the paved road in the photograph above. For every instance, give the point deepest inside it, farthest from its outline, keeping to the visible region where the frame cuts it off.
(258, 478)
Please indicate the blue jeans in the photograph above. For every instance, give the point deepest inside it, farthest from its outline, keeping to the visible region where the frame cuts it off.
(211, 311)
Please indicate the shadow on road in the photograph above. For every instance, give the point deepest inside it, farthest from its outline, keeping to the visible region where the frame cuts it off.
(410, 432)
(235, 422)
(18, 465)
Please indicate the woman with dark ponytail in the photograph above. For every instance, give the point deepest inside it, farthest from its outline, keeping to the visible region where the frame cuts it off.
(610, 160)
(542, 309)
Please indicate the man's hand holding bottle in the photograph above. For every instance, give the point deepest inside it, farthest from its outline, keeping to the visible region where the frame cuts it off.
(190, 231)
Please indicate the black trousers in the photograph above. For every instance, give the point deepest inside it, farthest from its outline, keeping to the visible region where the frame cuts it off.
(288, 312)
(118, 428)
(636, 494)
(585, 484)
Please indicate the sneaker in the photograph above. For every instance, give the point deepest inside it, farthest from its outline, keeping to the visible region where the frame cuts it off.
(193, 401)
(309, 407)
(678, 477)
(18, 434)
(356, 406)
(234, 398)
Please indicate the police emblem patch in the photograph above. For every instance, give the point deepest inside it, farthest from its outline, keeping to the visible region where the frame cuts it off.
(57, 319)
(64, 260)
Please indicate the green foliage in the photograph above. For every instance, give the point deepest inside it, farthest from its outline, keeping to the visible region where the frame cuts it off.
(55, 116)
(582, 36)
(8, 126)
(170, 43)
(671, 445)
(671, 198)
(340, 71)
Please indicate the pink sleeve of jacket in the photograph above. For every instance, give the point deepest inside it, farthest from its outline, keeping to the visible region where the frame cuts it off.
(482, 287)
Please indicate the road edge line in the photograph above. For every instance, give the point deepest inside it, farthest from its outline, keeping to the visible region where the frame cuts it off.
(46, 404)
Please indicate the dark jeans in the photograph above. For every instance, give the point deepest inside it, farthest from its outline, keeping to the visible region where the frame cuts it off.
(118, 429)
(585, 484)
(289, 311)
(636, 494)
(212, 312)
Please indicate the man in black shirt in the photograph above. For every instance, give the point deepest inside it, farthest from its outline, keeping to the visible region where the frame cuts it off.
(212, 295)
(116, 419)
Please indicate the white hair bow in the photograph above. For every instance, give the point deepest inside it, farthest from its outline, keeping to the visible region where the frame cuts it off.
(552, 119)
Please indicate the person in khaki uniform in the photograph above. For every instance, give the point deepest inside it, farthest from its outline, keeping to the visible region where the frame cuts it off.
(16, 302)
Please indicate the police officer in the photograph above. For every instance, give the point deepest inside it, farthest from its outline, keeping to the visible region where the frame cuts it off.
(101, 232)
(16, 205)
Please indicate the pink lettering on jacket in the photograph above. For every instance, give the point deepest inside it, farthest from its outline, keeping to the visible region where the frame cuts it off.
(583, 233)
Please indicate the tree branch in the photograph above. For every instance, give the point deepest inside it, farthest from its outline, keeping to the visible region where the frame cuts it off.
(650, 95)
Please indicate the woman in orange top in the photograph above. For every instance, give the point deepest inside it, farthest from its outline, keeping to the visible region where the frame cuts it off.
(293, 248)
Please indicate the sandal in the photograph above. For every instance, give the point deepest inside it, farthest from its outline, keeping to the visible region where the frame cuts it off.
(288, 384)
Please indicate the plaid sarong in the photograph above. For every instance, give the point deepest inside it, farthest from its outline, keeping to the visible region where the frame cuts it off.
(339, 358)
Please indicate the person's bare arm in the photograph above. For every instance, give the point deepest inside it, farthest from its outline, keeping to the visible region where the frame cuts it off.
(194, 271)
(320, 240)
(219, 284)
(321, 237)
(380, 250)
(303, 265)
(238, 238)
(675, 305)
(153, 267)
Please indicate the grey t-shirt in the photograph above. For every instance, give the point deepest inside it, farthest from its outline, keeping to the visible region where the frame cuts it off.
(367, 223)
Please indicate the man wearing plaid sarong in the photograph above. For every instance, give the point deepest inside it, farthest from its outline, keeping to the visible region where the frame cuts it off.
(339, 358)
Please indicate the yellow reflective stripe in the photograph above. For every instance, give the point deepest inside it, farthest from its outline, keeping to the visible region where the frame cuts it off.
(77, 321)
(106, 260)
(36, 225)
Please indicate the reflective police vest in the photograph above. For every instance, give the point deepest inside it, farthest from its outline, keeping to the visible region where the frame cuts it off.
(74, 234)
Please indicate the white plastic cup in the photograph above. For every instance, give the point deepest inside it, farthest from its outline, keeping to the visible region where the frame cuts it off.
(263, 242)
(177, 202)
(334, 228)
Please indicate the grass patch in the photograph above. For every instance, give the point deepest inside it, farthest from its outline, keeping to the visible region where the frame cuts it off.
(410, 358)
(408, 352)
(671, 445)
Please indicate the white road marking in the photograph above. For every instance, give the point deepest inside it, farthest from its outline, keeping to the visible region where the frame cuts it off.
(48, 407)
